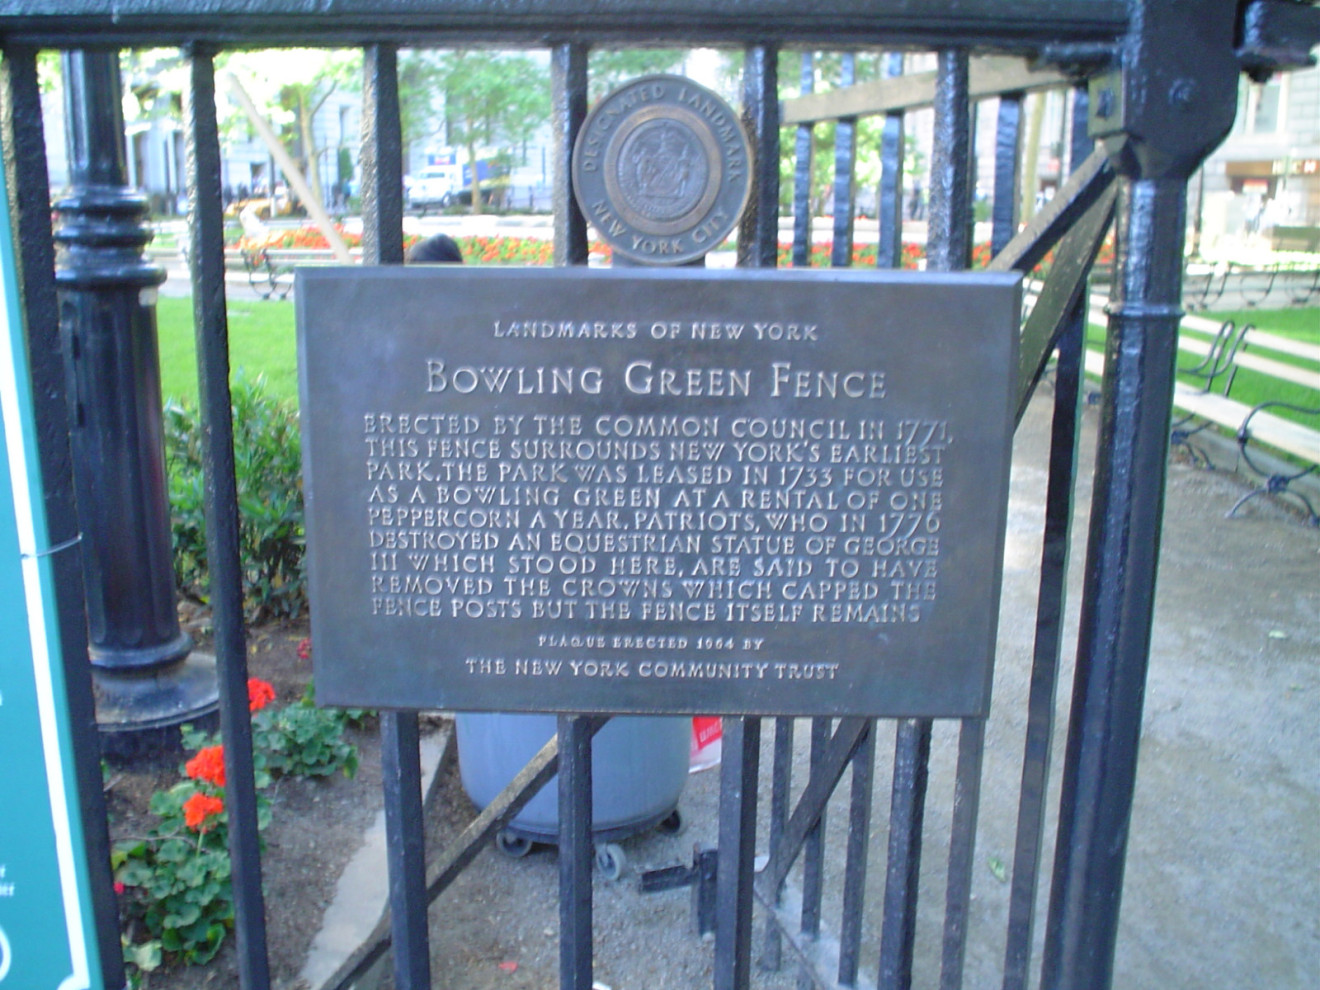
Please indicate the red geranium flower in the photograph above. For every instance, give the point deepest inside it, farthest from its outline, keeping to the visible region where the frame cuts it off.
(199, 808)
(304, 648)
(260, 694)
(208, 765)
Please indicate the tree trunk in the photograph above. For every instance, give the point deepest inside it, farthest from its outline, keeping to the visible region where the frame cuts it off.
(476, 178)
(309, 150)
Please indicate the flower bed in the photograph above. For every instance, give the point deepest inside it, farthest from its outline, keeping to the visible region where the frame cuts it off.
(511, 250)
(477, 250)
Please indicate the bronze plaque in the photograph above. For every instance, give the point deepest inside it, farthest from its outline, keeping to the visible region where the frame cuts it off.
(656, 491)
(662, 169)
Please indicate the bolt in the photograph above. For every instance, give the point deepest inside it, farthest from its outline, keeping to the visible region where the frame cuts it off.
(1182, 94)
(1104, 104)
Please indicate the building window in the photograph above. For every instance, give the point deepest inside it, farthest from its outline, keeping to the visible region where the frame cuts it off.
(1266, 108)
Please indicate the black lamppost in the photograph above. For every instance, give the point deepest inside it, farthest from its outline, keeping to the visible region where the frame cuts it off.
(146, 679)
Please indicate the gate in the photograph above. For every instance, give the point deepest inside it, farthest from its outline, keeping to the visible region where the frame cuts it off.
(1155, 81)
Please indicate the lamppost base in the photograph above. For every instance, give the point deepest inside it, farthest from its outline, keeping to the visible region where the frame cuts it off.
(139, 713)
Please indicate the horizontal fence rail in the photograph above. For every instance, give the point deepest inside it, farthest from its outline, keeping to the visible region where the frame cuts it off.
(250, 23)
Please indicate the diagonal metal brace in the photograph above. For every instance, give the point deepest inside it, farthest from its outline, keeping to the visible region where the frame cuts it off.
(1086, 185)
(1062, 291)
(820, 786)
(496, 815)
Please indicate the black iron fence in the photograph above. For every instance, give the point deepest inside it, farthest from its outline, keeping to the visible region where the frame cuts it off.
(1154, 81)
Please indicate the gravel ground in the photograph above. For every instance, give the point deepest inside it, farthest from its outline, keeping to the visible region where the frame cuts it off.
(1220, 890)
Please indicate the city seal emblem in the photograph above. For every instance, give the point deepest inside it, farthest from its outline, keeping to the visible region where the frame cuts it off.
(662, 170)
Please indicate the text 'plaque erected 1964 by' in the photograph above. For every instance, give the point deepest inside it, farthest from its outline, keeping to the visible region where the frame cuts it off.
(656, 491)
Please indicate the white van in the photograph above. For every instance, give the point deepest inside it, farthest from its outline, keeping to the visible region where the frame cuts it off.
(433, 187)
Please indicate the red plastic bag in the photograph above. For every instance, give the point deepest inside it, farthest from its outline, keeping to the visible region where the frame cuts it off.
(707, 740)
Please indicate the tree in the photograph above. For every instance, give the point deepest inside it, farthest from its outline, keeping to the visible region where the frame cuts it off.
(289, 87)
(419, 84)
(608, 68)
(492, 100)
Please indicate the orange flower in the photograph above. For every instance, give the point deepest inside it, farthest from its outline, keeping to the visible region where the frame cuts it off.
(208, 765)
(260, 694)
(199, 808)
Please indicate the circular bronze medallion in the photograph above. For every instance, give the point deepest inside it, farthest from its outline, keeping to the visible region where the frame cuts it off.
(662, 169)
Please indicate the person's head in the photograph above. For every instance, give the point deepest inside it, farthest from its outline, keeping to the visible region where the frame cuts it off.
(436, 249)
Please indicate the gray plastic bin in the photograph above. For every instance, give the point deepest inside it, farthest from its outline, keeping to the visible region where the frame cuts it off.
(639, 767)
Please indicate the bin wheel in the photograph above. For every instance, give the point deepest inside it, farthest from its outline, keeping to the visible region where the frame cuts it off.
(671, 824)
(611, 860)
(513, 846)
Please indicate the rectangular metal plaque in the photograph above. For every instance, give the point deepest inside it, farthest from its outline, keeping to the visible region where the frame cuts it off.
(656, 491)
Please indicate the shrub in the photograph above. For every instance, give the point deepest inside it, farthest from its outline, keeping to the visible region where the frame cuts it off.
(268, 470)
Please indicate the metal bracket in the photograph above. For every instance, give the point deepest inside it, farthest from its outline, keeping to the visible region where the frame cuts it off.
(1078, 61)
(700, 876)
(1277, 34)
(1107, 115)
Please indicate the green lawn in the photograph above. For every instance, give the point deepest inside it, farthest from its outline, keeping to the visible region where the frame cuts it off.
(1252, 387)
(261, 341)
(1299, 324)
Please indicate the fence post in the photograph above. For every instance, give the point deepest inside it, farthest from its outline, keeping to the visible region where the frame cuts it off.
(1155, 135)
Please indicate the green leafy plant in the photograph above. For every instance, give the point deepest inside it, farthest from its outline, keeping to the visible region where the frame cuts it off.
(174, 882)
(302, 740)
(268, 471)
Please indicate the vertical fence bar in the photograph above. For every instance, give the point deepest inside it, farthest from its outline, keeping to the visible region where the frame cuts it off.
(889, 208)
(758, 232)
(845, 161)
(1051, 601)
(568, 78)
(382, 157)
(950, 250)
(813, 852)
(802, 171)
(401, 772)
(950, 170)
(906, 816)
(739, 770)
(859, 841)
(781, 779)
(24, 151)
(575, 852)
(962, 849)
(221, 504)
(973, 116)
(1117, 605)
(1008, 169)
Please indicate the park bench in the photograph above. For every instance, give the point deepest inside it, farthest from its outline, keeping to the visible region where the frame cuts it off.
(1295, 238)
(270, 269)
(1212, 353)
(1297, 281)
